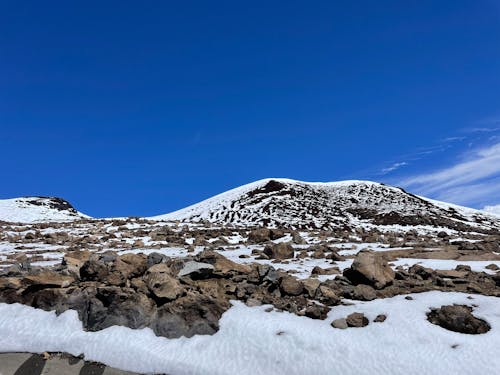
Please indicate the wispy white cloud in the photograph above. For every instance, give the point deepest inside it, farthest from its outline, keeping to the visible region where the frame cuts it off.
(474, 177)
(393, 167)
(493, 209)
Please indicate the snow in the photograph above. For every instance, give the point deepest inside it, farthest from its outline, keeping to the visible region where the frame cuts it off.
(203, 208)
(253, 341)
(22, 210)
(447, 264)
(317, 205)
(495, 210)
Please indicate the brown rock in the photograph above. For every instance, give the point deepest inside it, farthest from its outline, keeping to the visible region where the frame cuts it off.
(280, 251)
(222, 266)
(327, 295)
(317, 270)
(259, 235)
(311, 285)
(458, 318)
(356, 320)
(371, 269)
(49, 279)
(492, 267)
(161, 283)
(380, 318)
(291, 286)
(364, 292)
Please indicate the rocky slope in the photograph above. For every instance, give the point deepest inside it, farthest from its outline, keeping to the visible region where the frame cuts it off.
(344, 204)
(38, 209)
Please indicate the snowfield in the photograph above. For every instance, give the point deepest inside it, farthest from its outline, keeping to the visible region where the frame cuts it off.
(37, 210)
(253, 341)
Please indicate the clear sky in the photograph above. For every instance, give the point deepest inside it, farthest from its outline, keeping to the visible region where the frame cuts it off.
(143, 107)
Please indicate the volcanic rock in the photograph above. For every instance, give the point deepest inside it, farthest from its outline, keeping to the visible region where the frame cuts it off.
(371, 269)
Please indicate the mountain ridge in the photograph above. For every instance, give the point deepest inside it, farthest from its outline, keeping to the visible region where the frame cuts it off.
(326, 205)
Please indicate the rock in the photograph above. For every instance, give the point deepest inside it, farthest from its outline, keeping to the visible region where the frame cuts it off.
(315, 311)
(155, 258)
(162, 284)
(131, 265)
(442, 234)
(492, 267)
(48, 279)
(259, 235)
(327, 295)
(196, 270)
(253, 302)
(356, 320)
(119, 306)
(10, 283)
(463, 267)
(74, 260)
(364, 292)
(193, 314)
(221, 265)
(310, 286)
(297, 238)
(339, 323)
(380, 318)
(458, 318)
(280, 251)
(451, 274)
(276, 233)
(291, 286)
(371, 269)
(317, 270)
(93, 270)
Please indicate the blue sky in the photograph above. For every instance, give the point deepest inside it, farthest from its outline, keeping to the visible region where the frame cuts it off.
(140, 108)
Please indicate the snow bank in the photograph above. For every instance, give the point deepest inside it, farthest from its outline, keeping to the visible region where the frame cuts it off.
(22, 210)
(252, 341)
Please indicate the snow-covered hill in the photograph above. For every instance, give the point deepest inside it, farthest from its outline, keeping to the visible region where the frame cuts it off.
(38, 209)
(297, 204)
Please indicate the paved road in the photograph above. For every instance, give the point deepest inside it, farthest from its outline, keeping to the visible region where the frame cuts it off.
(36, 364)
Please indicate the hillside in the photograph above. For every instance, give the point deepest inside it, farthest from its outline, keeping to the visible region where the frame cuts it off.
(306, 205)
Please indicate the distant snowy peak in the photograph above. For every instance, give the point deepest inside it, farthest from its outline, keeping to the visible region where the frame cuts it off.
(38, 209)
(309, 205)
(495, 210)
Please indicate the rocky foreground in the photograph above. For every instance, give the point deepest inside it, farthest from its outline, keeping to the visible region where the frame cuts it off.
(186, 295)
(270, 275)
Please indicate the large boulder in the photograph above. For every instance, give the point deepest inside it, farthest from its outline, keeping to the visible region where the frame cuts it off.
(371, 269)
(161, 283)
(259, 235)
(48, 279)
(221, 265)
(458, 318)
(196, 270)
(193, 314)
(289, 285)
(280, 251)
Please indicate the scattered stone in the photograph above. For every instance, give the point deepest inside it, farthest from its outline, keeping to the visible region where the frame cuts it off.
(340, 323)
(458, 318)
(492, 267)
(357, 320)
(380, 318)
